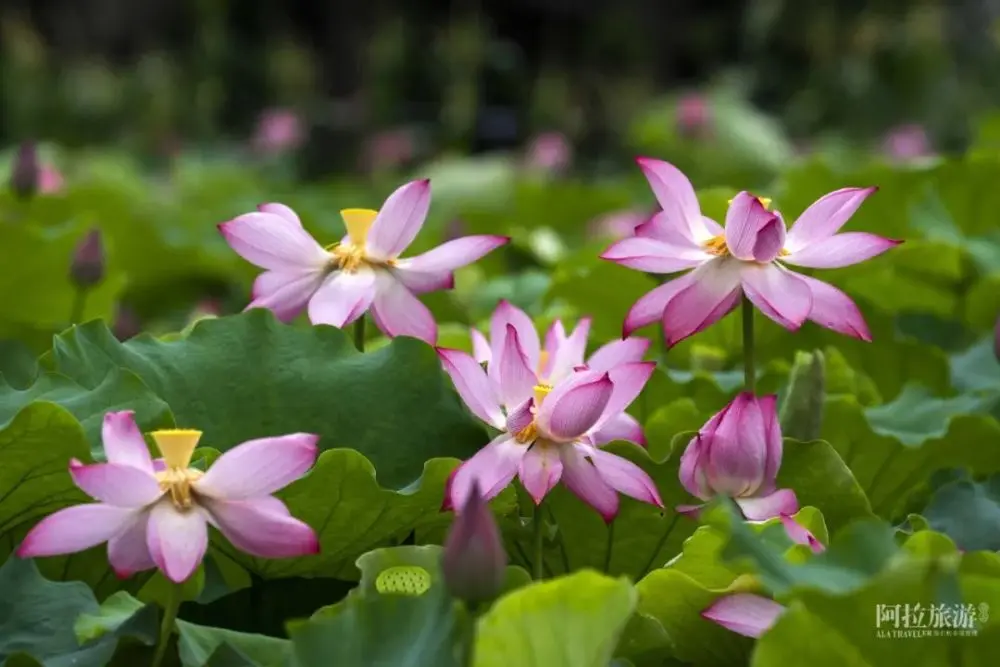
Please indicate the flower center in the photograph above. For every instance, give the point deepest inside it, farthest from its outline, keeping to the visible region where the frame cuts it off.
(350, 256)
(717, 246)
(177, 447)
(530, 432)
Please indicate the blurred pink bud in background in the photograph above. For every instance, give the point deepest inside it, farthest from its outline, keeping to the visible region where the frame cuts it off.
(617, 224)
(693, 115)
(388, 150)
(907, 142)
(278, 131)
(550, 152)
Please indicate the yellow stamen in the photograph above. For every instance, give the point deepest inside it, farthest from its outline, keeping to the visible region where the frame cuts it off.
(348, 256)
(358, 222)
(541, 391)
(177, 482)
(764, 201)
(717, 246)
(784, 253)
(177, 446)
(527, 434)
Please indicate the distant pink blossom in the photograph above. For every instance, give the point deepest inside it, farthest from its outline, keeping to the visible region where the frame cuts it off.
(747, 257)
(157, 514)
(617, 224)
(905, 143)
(50, 180)
(389, 150)
(278, 131)
(549, 152)
(693, 114)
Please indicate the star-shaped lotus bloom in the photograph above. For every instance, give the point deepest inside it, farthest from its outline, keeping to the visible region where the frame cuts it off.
(158, 515)
(560, 356)
(340, 283)
(553, 422)
(748, 257)
(737, 454)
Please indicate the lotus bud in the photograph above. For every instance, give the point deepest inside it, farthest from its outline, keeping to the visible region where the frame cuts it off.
(87, 268)
(474, 561)
(25, 174)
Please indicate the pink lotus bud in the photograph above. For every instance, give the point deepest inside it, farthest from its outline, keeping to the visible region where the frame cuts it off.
(87, 268)
(25, 174)
(474, 561)
(693, 115)
(550, 152)
(737, 453)
(907, 142)
(126, 324)
(996, 339)
(278, 131)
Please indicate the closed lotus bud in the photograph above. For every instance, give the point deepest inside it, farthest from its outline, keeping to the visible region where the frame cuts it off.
(126, 324)
(87, 268)
(802, 410)
(693, 115)
(996, 339)
(474, 562)
(737, 454)
(24, 176)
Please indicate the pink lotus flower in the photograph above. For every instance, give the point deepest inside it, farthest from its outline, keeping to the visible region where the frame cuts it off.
(278, 131)
(742, 259)
(158, 516)
(737, 453)
(50, 180)
(550, 152)
(744, 613)
(339, 283)
(554, 413)
(908, 142)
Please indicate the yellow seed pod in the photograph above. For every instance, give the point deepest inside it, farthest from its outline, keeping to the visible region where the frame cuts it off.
(403, 580)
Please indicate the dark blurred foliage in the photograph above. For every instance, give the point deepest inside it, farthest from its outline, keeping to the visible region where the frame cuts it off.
(479, 75)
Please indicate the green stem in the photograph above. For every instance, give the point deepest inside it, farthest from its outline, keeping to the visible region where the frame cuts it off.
(79, 305)
(539, 554)
(359, 333)
(749, 371)
(167, 626)
(607, 550)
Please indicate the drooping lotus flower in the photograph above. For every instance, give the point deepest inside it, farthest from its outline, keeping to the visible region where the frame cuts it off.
(737, 454)
(341, 282)
(159, 517)
(551, 432)
(744, 613)
(747, 257)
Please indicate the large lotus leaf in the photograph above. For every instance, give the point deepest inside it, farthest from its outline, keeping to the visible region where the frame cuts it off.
(249, 376)
(35, 287)
(968, 512)
(977, 368)
(915, 416)
(406, 629)
(702, 559)
(122, 615)
(120, 390)
(856, 553)
(898, 616)
(18, 364)
(676, 601)
(37, 619)
(889, 470)
(352, 513)
(572, 621)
